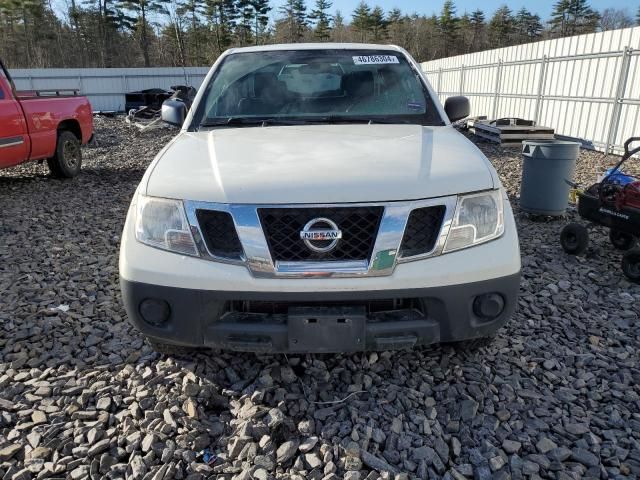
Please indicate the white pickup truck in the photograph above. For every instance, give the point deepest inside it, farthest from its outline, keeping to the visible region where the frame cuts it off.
(317, 199)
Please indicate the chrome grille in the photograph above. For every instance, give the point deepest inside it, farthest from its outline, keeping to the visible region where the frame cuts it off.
(282, 227)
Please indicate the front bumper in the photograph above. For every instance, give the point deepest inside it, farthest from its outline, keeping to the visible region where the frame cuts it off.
(200, 293)
(202, 318)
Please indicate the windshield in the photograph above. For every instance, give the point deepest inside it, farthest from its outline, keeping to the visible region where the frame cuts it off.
(327, 86)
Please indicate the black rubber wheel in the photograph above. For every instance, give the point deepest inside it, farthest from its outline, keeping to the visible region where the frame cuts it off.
(621, 240)
(169, 349)
(631, 265)
(67, 161)
(574, 238)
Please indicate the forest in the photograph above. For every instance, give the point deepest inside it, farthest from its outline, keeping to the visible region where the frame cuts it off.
(137, 33)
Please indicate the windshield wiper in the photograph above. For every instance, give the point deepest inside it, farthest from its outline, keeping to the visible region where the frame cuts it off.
(354, 119)
(234, 121)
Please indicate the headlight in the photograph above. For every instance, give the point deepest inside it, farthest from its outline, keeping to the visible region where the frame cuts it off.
(479, 218)
(161, 223)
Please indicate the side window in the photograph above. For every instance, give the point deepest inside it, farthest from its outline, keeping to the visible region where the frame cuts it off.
(6, 82)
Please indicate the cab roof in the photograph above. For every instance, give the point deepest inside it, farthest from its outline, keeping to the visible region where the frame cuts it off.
(315, 46)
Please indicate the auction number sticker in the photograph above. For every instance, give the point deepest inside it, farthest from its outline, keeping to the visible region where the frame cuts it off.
(375, 59)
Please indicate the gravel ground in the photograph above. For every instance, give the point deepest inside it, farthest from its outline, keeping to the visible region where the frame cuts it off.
(83, 396)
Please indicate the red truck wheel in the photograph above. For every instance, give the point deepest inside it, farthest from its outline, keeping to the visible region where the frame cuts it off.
(67, 161)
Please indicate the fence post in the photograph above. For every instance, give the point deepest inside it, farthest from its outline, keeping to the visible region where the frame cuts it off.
(462, 79)
(623, 75)
(544, 61)
(439, 81)
(496, 91)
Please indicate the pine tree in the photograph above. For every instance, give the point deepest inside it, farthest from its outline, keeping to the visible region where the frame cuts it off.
(527, 26)
(378, 24)
(189, 12)
(501, 27)
(397, 30)
(295, 18)
(244, 26)
(585, 19)
(465, 32)
(105, 15)
(322, 19)
(560, 18)
(261, 9)
(137, 21)
(221, 16)
(339, 29)
(573, 17)
(638, 17)
(361, 20)
(478, 27)
(448, 24)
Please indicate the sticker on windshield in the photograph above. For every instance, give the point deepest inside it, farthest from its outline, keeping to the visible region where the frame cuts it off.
(375, 59)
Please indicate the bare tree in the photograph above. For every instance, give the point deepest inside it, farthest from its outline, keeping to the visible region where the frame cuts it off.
(614, 18)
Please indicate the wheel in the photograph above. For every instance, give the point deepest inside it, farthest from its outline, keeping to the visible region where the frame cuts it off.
(169, 349)
(622, 240)
(631, 265)
(574, 238)
(67, 161)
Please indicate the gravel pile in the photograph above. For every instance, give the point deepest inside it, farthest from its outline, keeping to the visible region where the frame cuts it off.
(82, 395)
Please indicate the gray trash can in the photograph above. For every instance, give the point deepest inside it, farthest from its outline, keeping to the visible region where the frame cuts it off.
(547, 166)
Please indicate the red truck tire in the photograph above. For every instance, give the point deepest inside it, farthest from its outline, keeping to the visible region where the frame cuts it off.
(67, 161)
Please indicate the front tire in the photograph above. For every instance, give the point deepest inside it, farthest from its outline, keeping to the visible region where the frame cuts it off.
(631, 265)
(574, 238)
(67, 160)
(621, 240)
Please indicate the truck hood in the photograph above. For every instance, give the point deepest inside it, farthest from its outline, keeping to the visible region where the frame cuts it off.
(319, 164)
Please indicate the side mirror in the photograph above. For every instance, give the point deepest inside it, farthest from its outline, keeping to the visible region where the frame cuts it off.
(174, 112)
(457, 108)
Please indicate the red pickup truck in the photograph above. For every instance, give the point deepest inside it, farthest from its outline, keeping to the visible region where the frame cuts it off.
(43, 125)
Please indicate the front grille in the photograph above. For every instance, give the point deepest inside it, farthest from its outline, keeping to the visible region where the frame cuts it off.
(219, 234)
(421, 233)
(282, 227)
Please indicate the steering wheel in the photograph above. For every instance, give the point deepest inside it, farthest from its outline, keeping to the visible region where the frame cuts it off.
(355, 103)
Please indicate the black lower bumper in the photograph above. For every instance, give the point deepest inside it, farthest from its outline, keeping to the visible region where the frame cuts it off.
(319, 321)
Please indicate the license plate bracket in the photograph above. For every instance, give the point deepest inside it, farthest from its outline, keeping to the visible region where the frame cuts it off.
(326, 329)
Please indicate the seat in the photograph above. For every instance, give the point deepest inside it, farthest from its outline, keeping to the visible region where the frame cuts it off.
(358, 85)
(268, 96)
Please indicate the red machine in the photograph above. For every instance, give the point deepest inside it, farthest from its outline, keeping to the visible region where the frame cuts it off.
(615, 203)
(39, 125)
(629, 196)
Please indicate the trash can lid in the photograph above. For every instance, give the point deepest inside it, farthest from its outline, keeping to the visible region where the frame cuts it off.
(550, 142)
(551, 149)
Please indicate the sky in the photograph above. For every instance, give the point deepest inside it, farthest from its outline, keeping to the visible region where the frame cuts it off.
(542, 8)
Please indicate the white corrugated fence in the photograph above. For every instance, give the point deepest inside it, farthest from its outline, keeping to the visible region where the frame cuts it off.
(106, 87)
(585, 87)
